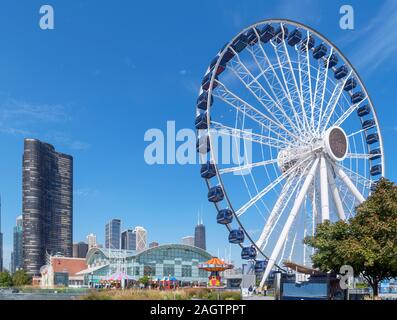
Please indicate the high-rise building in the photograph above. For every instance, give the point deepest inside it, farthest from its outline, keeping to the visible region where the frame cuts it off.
(188, 240)
(128, 240)
(153, 244)
(199, 236)
(80, 250)
(141, 238)
(47, 193)
(91, 240)
(112, 234)
(1, 243)
(17, 253)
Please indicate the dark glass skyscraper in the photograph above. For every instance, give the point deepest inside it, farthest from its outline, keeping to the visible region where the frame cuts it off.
(112, 234)
(128, 240)
(47, 204)
(199, 236)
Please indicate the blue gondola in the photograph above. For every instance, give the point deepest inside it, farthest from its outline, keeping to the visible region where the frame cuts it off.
(368, 124)
(332, 61)
(201, 121)
(267, 33)
(358, 96)
(224, 216)
(240, 43)
(294, 37)
(363, 111)
(376, 170)
(215, 194)
(207, 80)
(248, 253)
(207, 170)
(202, 101)
(260, 265)
(229, 54)
(350, 84)
(375, 154)
(251, 36)
(373, 186)
(372, 138)
(307, 43)
(236, 236)
(320, 51)
(203, 145)
(281, 34)
(341, 72)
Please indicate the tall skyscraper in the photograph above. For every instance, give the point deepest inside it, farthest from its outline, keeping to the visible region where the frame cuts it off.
(91, 240)
(188, 240)
(128, 240)
(80, 250)
(17, 253)
(199, 236)
(112, 234)
(47, 193)
(141, 238)
(1, 242)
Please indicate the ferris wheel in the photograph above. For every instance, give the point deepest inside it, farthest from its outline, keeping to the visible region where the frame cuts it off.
(304, 137)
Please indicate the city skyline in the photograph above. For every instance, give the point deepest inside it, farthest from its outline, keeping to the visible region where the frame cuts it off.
(105, 83)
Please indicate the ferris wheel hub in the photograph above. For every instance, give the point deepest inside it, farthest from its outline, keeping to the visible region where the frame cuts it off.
(336, 143)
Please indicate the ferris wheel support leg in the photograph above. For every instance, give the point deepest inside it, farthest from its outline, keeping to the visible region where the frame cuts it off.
(324, 189)
(336, 195)
(346, 180)
(290, 220)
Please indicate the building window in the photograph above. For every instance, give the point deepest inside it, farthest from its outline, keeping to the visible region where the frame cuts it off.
(149, 270)
(168, 270)
(136, 271)
(186, 271)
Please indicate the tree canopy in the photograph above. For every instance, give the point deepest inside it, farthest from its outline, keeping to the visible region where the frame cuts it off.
(367, 242)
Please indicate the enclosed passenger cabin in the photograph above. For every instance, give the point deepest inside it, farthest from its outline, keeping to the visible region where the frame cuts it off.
(373, 186)
(202, 101)
(221, 66)
(281, 34)
(363, 111)
(207, 170)
(372, 138)
(205, 84)
(368, 124)
(375, 154)
(236, 236)
(251, 36)
(201, 121)
(203, 145)
(267, 33)
(240, 43)
(358, 96)
(341, 72)
(376, 170)
(320, 51)
(224, 216)
(248, 253)
(295, 37)
(332, 61)
(350, 84)
(229, 54)
(260, 265)
(215, 194)
(308, 43)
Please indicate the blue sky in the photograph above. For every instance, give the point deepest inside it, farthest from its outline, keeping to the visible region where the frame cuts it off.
(113, 69)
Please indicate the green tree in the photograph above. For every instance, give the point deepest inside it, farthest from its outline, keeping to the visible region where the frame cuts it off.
(21, 278)
(367, 242)
(5, 279)
(144, 280)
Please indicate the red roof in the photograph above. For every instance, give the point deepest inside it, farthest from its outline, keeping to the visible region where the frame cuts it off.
(69, 265)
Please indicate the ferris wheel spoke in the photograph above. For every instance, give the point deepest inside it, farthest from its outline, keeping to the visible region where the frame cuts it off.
(348, 112)
(222, 129)
(324, 189)
(360, 131)
(247, 166)
(330, 108)
(268, 188)
(355, 176)
(350, 185)
(363, 156)
(322, 73)
(335, 195)
(297, 204)
(282, 203)
(223, 93)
